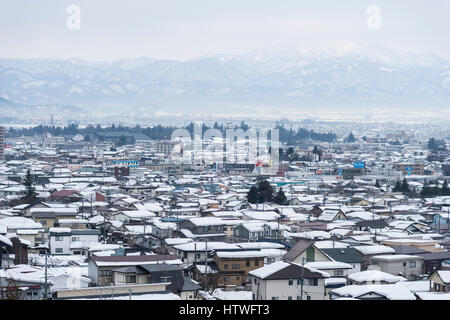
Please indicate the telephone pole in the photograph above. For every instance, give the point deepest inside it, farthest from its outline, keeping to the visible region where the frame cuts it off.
(301, 284)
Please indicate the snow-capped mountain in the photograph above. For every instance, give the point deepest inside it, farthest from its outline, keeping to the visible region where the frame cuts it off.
(341, 75)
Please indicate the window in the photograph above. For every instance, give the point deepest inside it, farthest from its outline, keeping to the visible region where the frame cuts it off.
(437, 287)
(235, 266)
(291, 282)
(197, 255)
(299, 282)
(290, 298)
(404, 264)
(338, 272)
(130, 279)
(75, 239)
(58, 250)
(59, 238)
(225, 266)
(226, 279)
(275, 298)
(256, 262)
(315, 282)
(308, 297)
(412, 264)
(105, 273)
(270, 260)
(238, 278)
(247, 263)
(44, 222)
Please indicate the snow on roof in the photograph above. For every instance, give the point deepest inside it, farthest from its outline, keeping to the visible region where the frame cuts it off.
(261, 215)
(444, 275)
(138, 214)
(433, 295)
(251, 253)
(5, 240)
(335, 280)
(325, 265)
(327, 244)
(59, 230)
(374, 249)
(260, 245)
(269, 269)
(175, 241)
(390, 291)
(374, 275)
(20, 223)
(200, 246)
(396, 257)
(415, 286)
(220, 294)
(206, 221)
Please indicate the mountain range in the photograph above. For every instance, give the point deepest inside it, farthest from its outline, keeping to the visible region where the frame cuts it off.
(349, 77)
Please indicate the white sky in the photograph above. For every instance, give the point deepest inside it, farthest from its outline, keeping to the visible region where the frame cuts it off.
(182, 29)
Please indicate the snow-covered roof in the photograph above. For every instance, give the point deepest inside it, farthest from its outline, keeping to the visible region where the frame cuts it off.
(374, 275)
(374, 249)
(390, 291)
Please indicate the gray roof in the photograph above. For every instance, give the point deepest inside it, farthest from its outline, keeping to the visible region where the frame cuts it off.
(408, 250)
(85, 231)
(347, 255)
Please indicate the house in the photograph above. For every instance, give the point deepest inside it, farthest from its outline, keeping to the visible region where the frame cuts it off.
(67, 241)
(372, 292)
(373, 277)
(49, 216)
(368, 251)
(233, 266)
(206, 228)
(282, 280)
(307, 250)
(408, 266)
(440, 281)
(333, 268)
(433, 260)
(346, 255)
(100, 268)
(158, 273)
(255, 230)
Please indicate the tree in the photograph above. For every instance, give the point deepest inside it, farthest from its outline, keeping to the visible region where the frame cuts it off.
(122, 141)
(397, 187)
(280, 198)
(445, 191)
(260, 193)
(29, 182)
(405, 186)
(350, 138)
(252, 195)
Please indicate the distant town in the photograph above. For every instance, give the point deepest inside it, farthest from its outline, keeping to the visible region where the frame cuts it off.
(332, 210)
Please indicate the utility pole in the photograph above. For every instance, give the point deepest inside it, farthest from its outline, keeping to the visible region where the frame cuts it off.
(301, 284)
(206, 265)
(46, 280)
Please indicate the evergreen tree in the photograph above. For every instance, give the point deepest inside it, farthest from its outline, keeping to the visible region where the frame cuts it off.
(405, 186)
(252, 195)
(445, 191)
(397, 187)
(280, 198)
(350, 138)
(29, 182)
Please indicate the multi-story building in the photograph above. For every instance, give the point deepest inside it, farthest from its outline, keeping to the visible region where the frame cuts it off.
(406, 168)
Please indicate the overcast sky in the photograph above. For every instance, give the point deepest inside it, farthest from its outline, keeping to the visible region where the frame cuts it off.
(182, 29)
